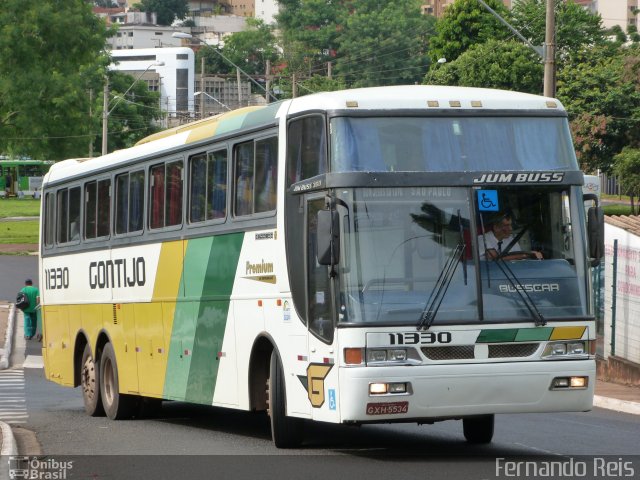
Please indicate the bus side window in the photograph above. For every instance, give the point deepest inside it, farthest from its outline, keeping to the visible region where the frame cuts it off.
(307, 149)
(104, 207)
(156, 196)
(129, 210)
(266, 174)
(74, 213)
(217, 184)
(244, 168)
(49, 219)
(91, 202)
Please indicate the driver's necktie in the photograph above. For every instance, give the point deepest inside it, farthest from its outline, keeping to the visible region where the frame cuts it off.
(500, 246)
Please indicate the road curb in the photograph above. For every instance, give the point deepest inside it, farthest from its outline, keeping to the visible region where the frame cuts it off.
(9, 447)
(618, 405)
(8, 340)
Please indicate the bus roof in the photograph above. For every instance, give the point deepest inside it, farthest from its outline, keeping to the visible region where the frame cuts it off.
(421, 98)
(424, 97)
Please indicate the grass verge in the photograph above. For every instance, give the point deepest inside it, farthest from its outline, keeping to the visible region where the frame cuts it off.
(617, 209)
(19, 207)
(19, 232)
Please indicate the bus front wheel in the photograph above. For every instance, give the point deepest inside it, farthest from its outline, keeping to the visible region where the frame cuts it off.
(286, 431)
(478, 429)
(90, 384)
(116, 405)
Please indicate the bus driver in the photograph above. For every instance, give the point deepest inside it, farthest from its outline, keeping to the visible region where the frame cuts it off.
(499, 237)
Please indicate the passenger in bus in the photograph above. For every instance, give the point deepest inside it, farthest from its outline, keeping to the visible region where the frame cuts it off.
(499, 238)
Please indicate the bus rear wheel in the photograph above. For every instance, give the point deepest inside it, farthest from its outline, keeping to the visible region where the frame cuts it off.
(478, 429)
(286, 431)
(116, 405)
(90, 384)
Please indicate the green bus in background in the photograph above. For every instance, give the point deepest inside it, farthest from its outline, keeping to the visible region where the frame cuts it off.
(22, 177)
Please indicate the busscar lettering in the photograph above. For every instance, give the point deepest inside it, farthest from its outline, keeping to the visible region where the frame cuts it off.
(56, 278)
(118, 273)
(532, 287)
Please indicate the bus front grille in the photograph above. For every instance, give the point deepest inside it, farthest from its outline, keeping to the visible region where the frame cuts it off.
(467, 352)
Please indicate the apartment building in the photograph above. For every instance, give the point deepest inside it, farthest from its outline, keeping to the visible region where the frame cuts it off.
(618, 12)
(436, 7)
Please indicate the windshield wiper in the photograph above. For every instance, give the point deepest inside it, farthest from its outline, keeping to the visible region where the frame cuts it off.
(519, 288)
(440, 289)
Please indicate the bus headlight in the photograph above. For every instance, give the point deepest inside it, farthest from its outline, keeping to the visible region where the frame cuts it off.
(379, 355)
(396, 388)
(569, 383)
(567, 349)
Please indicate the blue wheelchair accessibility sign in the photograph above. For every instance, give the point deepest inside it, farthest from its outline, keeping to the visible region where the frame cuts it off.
(488, 201)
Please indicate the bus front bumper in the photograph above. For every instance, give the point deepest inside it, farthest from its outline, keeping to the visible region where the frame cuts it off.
(438, 392)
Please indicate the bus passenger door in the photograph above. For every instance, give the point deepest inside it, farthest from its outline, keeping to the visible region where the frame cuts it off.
(322, 371)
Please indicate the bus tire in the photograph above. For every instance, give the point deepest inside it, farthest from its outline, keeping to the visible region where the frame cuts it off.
(116, 405)
(90, 384)
(478, 429)
(286, 431)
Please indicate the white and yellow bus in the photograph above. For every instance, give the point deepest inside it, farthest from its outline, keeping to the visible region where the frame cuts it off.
(322, 259)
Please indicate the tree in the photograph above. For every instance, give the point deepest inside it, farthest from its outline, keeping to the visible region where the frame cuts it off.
(132, 117)
(508, 65)
(309, 31)
(383, 43)
(166, 10)
(576, 26)
(599, 90)
(627, 168)
(251, 48)
(465, 23)
(52, 56)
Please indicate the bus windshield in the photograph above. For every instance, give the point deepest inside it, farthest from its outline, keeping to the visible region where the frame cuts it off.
(455, 144)
(410, 253)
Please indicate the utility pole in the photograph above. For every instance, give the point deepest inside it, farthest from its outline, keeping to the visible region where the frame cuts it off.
(105, 115)
(239, 87)
(294, 86)
(202, 87)
(91, 122)
(267, 77)
(550, 52)
(329, 70)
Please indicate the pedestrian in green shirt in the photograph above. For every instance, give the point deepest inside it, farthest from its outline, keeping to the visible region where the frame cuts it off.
(30, 314)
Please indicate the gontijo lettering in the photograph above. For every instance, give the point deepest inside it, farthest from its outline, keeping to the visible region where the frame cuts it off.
(118, 273)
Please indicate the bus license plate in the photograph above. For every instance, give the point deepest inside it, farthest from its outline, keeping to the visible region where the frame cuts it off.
(387, 408)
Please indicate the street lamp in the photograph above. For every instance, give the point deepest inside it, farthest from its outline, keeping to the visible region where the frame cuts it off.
(106, 111)
(212, 98)
(441, 60)
(191, 37)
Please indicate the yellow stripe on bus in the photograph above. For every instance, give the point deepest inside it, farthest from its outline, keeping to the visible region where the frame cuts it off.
(567, 333)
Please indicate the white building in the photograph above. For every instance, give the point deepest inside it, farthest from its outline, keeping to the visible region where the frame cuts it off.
(132, 36)
(615, 12)
(171, 68)
(622, 248)
(266, 10)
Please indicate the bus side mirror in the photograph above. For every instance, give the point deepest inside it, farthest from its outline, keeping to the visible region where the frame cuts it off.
(328, 239)
(595, 234)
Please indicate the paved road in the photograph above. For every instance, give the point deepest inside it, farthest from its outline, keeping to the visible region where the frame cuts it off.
(14, 269)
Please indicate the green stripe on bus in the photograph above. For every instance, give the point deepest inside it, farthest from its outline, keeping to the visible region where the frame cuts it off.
(217, 284)
(502, 335)
(184, 323)
(533, 334)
